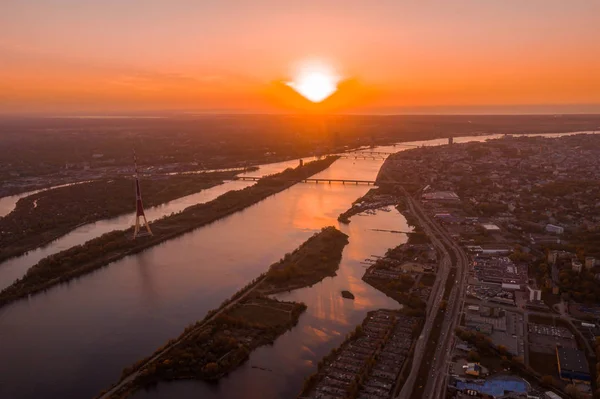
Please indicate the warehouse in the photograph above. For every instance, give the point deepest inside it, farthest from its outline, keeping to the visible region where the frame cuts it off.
(572, 365)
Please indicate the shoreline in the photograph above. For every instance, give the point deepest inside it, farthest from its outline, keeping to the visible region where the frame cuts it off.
(101, 251)
(328, 241)
(24, 209)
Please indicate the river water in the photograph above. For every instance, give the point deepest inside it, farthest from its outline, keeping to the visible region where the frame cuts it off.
(7, 204)
(279, 371)
(73, 340)
(15, 268)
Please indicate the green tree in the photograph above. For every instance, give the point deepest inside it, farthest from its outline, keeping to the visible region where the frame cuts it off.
(473, 356)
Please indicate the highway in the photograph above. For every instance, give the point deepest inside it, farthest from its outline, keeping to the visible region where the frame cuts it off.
(434, 386)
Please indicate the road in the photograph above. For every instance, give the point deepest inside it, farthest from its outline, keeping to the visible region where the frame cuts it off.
(436, 385)
(441, 240)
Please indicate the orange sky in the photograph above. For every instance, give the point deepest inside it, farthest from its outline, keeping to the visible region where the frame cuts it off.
(232, 56)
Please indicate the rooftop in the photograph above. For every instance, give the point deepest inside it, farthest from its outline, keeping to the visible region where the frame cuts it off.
(441, 195)
(497, 386)
(490, 226)
(572, 360)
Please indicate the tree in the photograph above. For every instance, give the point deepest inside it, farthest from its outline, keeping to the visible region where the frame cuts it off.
(572, 391)
(502, 349)
(211, 368)
(473, 356)
(548, 380)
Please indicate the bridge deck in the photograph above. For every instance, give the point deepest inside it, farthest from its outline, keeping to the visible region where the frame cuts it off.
(315, 180)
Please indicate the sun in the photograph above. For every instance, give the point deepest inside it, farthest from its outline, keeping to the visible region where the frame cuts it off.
(315, 82)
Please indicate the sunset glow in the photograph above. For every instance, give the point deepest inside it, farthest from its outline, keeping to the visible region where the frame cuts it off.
(460, 56)
(315, 83)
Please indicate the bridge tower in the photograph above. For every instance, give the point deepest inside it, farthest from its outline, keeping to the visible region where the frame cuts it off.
(139, 207)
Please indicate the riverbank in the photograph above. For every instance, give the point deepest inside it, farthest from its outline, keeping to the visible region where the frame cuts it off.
(375, 198)
(223, 340)
(315, 259)
(209, 350)
(369, 361)
(101, 251)
(396, 274)
(44, 217)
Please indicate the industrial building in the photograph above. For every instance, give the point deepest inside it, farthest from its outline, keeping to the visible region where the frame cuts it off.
(572, 365)
(550, 228)
(534, 295)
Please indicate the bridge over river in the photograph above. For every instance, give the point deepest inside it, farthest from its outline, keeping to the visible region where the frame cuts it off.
(316, 180)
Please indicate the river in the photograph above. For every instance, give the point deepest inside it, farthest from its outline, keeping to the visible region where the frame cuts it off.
(278, 371)
(15, 268)
(73, 340)
(7, 204)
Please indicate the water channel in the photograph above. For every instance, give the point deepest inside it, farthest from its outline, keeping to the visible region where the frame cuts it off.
(73, 340)
(15, 268)
(7, 204)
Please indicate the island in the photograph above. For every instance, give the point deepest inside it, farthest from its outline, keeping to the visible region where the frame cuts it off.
(112, 246)
(45, 216)
(347, 294)
(211, 348)
(317, 258)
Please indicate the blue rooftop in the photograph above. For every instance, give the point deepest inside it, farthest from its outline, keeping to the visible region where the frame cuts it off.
(495, 386)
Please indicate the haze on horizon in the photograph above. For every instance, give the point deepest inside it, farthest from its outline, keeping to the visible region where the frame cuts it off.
(462, 56)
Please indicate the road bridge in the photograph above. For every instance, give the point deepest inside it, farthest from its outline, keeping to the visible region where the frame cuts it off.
(315, 180)
(358, 156)
(371, 153)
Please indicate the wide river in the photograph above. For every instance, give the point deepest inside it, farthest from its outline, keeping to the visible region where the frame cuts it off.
(73, 340)
(15, 268)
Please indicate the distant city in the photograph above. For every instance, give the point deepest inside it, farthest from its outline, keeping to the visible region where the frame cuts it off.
(464, 265)
(300, 199)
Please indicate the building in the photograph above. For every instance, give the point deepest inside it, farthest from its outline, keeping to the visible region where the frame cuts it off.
(495, 251)
(572, 365)
(510, 287)
(441, 196)
(447, 218)
(490, 227)
(534, 295)
(484, 328)
(576, 265)
(554, 256)
(552, 228)
(590, 262)
(473, 369)
(495, 387)
(489, 311)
